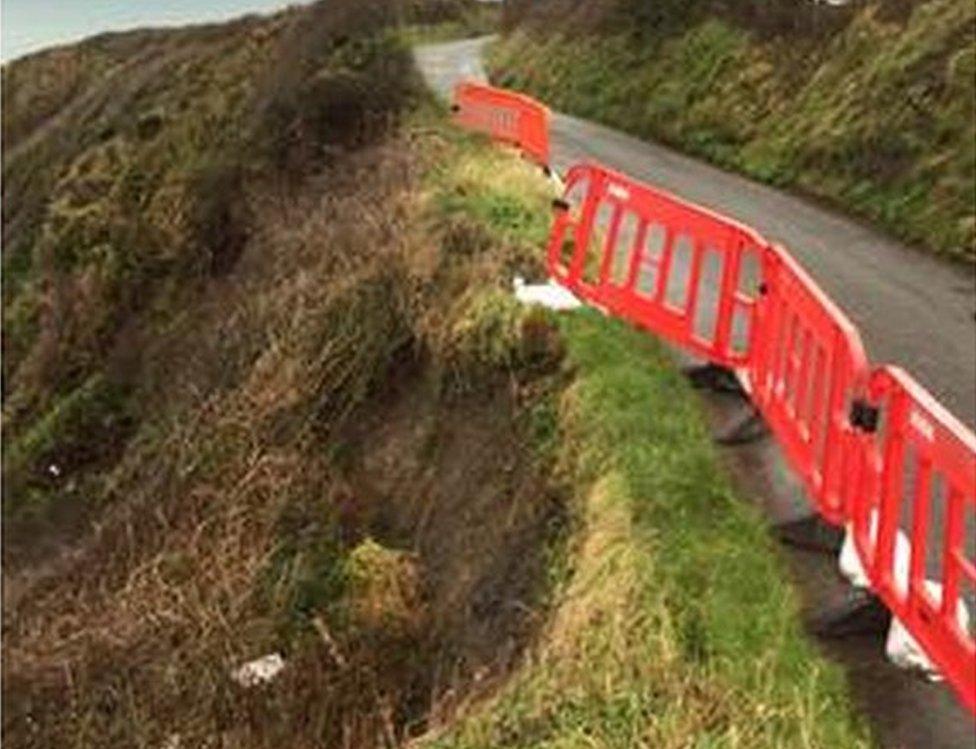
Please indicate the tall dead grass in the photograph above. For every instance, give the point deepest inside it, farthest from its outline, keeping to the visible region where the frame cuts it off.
(123, 207)
(106, 641)
(220, 533)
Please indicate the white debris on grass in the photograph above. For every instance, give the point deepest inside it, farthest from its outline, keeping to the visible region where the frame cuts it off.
(549, 294)
(259, 671)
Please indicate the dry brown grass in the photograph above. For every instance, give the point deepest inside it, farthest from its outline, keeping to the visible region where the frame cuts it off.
(123, 208)
(230, 511)
(252, 337)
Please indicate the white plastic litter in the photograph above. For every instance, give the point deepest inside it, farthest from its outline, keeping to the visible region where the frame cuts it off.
(557, 181)
(548, 294)
(900, 647)
(849, 560)
(904, 651)
(259, 671)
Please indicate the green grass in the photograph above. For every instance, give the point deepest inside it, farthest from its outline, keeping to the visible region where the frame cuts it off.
(673, 622)
(86, 426)
(877, 118)
(464, 20)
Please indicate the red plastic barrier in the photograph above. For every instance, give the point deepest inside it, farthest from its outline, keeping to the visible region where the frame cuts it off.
(679, 270)
(683, 273)
(807, 370)
(917, 504)
(505, 116)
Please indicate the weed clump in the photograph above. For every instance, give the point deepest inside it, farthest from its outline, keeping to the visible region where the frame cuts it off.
(384, 589)
(494, 332)
(86, 427)
(220, 216)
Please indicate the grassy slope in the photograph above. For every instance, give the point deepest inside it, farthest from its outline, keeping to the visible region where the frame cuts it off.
(876, 117)
(218, 529)
(672, 621)
(224, 526)
(128, 202)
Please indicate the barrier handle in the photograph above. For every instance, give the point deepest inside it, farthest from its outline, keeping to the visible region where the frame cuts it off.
(562, 222)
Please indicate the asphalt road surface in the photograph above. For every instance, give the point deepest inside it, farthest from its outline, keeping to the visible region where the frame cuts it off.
(912, 309)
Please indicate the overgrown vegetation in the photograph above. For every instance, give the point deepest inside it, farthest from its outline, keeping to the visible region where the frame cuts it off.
(121, 207)
(870, 106)
(429, 22)
(313, 421)
(261, 430)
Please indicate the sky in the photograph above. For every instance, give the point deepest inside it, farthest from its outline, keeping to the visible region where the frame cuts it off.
(29, 25)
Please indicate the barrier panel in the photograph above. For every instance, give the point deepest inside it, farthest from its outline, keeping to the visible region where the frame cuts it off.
(675, 268)
(915, 522)
(504, 115)
(717, 289)
(808, 371)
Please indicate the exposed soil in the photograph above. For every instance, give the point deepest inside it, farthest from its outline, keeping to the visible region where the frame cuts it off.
(463, 516)
(449, 481)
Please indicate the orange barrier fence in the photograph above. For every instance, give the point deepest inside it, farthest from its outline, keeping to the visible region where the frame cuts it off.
(807, 372)
(505, 116)
(915, 507)
(874, 450)
(679, 270)
(716, 288)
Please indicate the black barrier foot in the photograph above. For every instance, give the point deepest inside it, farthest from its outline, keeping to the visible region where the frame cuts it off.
(811, 534)
(715, 378)
(860, 613)
(747, 430)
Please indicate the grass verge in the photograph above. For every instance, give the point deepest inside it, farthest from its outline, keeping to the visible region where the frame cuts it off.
(673, 623)
(429, 22)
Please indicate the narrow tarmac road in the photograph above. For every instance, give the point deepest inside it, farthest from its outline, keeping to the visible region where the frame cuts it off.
(913, 310)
